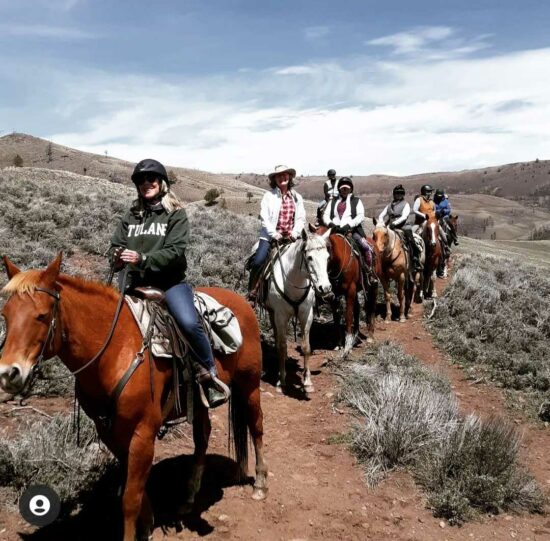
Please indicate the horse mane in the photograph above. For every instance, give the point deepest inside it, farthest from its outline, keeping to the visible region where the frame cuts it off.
(27, 282)
(317, 241)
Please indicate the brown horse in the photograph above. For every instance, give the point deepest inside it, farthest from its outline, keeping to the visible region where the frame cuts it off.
(49, 314)
(434, 254)
(394, 261)
(344, 270)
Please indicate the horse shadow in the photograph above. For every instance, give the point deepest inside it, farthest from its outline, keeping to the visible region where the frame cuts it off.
(100, 515)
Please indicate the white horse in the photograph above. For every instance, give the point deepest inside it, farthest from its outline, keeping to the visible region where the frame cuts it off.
(299, 273)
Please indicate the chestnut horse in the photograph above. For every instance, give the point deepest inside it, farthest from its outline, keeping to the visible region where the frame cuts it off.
(434, 254)
(344, 269)
(49, 314)
(395, 263)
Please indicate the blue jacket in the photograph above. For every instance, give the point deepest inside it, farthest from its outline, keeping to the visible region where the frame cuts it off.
(443, 208)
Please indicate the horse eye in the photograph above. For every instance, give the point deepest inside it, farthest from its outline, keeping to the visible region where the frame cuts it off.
(41, 317)
(310, 258)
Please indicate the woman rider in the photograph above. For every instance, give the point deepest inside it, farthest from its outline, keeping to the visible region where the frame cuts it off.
(283, 216)
(345, 214)
(151, 239)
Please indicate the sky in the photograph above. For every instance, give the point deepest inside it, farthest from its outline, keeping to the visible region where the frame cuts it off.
(361, 86)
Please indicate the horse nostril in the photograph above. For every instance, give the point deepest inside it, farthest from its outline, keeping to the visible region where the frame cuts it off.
(14, 373)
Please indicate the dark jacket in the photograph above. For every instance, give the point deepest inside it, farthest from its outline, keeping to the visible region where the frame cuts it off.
(162, 238)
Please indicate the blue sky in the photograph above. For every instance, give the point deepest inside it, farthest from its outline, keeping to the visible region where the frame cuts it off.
(365, 87)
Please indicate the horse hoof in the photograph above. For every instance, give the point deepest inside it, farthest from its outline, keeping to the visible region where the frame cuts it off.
(308, 389)
(402, 319)
(370, 340)
(259, 494)
(280, 388)
(184, 509)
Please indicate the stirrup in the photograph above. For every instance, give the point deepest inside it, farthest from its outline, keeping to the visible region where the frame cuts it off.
(213, 392)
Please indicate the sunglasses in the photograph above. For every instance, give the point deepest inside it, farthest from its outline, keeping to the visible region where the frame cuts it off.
(147, 177)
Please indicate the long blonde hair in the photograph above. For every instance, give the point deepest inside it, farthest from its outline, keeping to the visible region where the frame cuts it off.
(169, 200)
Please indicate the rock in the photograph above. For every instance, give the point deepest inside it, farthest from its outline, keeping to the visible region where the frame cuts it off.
(223, 529)
(442, 524)
(544, 411)
(223, 518)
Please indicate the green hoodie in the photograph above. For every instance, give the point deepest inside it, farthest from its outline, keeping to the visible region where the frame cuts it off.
(160, 237)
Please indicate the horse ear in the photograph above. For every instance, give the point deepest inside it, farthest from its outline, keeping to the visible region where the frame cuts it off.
(374, 221)
(52, 272)
(304, 234)
(11, 269)
(312, 228)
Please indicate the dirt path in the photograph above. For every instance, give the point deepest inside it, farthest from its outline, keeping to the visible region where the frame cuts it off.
(316, 490)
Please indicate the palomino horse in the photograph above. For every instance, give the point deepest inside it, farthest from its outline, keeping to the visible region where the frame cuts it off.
(297, 275)
(49, 314)
(434, 254)
(344, 270)
(394, 266)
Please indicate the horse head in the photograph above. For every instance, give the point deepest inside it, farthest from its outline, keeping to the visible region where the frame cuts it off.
(30, 317)
(382, 238)
(315, 255)
(431, 230)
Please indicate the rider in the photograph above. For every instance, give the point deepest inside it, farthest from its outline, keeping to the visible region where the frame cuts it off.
(151, 240)
(330, 189)
(283, 216)
(443, 212)
(395, 216)
(345, 214)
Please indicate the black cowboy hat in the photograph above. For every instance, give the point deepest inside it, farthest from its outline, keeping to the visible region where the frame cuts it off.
(149, 166)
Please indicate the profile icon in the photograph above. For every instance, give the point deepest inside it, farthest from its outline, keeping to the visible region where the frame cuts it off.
(39, 505)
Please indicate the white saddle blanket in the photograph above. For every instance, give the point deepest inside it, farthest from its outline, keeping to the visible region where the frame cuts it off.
(220, 323)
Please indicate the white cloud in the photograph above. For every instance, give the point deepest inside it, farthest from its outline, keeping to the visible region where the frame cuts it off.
(312, 33)
(360, 116)
(45, 31)
(413, 40)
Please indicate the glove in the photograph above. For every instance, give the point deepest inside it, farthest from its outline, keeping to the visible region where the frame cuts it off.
(345, 229)
(117, 262)
(332, 225)
(392, 225)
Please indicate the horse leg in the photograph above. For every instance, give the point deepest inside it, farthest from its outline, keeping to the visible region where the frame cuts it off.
(401, 296)
(256, 428)
(335, 307)
(387, 297)
(434, 291)
(306, 319)
(201, 435)
(370, 310)
(281, 325)
(135, 503)
(350, 301)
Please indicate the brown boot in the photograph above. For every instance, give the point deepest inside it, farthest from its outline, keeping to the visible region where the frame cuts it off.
(213, 391)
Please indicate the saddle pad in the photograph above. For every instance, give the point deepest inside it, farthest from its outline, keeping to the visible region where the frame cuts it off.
(219, 320)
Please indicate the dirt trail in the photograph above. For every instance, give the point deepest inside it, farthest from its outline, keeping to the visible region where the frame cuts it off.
(316, 490)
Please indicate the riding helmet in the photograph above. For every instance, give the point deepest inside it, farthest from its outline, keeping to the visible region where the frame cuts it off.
(440, 192)
(345, 181)
(331, 173)
(399, 190)
(426, 189)
(149, 166)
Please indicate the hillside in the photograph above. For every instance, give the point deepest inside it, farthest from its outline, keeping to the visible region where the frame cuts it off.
(191, 186)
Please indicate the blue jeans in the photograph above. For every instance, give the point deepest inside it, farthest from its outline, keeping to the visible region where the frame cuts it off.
(261, 255)
(179, 300)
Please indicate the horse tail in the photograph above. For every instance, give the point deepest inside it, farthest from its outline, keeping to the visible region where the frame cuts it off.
(238, 433)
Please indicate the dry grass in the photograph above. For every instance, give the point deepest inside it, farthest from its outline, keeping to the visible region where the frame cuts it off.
(408, 417)
(495, 319)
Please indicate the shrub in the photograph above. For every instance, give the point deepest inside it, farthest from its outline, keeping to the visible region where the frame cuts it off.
(18, 161)
(44, 451)
(407, 416)
(211, 195)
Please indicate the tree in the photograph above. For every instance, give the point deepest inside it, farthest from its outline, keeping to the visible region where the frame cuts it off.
(49, 152)
(211, 195)
(172, 177)
(18, 161)
(249, 195)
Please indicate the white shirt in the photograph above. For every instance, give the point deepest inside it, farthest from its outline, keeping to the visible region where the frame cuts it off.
(269, 213)
(346, 217)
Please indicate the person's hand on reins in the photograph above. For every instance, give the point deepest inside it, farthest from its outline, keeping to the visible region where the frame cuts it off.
(130, 256)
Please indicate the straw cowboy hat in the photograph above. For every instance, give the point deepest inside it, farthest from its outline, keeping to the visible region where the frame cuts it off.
(282, 169)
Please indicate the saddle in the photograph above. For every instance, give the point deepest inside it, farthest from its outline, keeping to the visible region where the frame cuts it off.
(367, 273)
(164, 338)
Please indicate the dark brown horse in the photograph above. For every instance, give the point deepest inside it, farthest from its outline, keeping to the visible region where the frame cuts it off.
(344, 270)
(49, 313)
(434, 254)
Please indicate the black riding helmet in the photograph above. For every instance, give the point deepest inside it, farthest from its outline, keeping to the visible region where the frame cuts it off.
(331, 173)
(149, 166)
(399, 190)
(345, 181)
(426, 189)
(440, 192)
